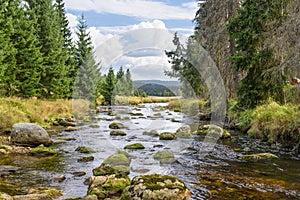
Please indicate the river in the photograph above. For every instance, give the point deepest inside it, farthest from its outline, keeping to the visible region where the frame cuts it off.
(220, 174)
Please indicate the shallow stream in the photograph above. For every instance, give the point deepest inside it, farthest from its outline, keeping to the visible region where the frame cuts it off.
(219, 174)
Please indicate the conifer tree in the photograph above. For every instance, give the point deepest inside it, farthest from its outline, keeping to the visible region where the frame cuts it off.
(68, 46)
(129, 84)
(87, 72)
(7, 51)
(51, 40)
(28, 56)
(109, 86)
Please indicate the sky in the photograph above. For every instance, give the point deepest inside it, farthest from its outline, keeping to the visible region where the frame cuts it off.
(134, 33)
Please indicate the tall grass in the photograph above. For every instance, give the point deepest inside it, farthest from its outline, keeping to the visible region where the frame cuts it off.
(277, 123)
(119, 100)
(14, 110)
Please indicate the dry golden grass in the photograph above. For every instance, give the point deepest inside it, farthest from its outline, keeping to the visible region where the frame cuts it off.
(14, 110)
(138, 100)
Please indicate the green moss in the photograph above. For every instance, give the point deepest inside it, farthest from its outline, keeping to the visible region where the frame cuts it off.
(163, 155)
(83, 149)
(86, 159)
(117, 184)
(117, 159)
(104, 170)
(134, 146)
(117, 133)
(122, 168)
(167, 136)
(124, 153)
(152, 182)
(42, 151)
(53, 193)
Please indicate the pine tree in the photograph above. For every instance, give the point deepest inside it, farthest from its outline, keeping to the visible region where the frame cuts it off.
(251, 56)
(109, 86)
(28, 56)
(87, 72)
(47, 25)
(120, 87)
(129, 84)
(7, 50)
(68, 46)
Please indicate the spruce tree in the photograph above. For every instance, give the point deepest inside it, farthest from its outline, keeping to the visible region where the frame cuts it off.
(51, 40)
(7, 50)
(87, 72)
(28, 56)
(109, 86)
(120, 86)
(68, 45)
(129, 84)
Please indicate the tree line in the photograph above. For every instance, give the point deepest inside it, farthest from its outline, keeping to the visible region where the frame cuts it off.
(253, 44)
(38, 57)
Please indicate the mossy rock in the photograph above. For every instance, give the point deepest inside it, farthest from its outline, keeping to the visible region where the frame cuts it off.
(117, 133)
(259, 156)
(156, 186)
(116, 125)
(53, 193)
(117, 159)
(104, 170)
(122, 168)
(151, 133)
(83, 149)
(214, 130)
(124, 153)
(160, 155)
(70, 128)
(183, 132)
(86, 159)
(42, 151)
(110, 186)
(134, 146)
(167, 136)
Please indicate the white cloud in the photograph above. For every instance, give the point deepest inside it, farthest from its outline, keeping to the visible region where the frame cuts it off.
(73, 20)
(135, 8)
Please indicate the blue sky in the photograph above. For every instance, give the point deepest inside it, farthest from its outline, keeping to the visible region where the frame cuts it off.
(134, 33)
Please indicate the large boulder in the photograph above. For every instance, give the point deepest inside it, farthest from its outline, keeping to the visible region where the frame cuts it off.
(183, 132)
(156, 187)
(30, 135)
(213, 130)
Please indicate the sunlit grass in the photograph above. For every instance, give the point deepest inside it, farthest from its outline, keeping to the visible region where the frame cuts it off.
(119, 100)
(14, 110)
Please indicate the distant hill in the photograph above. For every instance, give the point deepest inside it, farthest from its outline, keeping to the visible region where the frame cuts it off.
(157, 87)
(157, 90)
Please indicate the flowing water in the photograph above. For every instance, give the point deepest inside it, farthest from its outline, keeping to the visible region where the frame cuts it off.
(219, 174)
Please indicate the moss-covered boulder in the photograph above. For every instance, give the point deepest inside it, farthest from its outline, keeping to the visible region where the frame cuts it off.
(42, 151)
(151, 133)
(259, 156)
(155, 186)
(213, 130)
(134, 146)
(116, 125)
(86, 159)
(117, 159)
(183, 132)
(83, 149)
(164, 157)
(167, 136)
(117, 133)
(110, 186)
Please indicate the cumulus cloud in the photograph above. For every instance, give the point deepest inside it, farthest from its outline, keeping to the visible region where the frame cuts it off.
(135, 8)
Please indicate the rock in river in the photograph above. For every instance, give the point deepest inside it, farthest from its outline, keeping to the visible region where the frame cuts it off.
(116, 125)
(167, 136)
(29, 134)
(183, 132)
(155, 186)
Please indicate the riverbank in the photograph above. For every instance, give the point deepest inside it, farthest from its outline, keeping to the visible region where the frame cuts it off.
(42, 112)
(271, 122)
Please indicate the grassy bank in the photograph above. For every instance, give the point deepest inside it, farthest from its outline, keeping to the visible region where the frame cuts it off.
(188, 106)
(270, 122)
(14, 110)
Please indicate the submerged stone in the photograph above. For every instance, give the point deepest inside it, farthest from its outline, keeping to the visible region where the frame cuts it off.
(117, 133)
(83, 149)
(134, 146)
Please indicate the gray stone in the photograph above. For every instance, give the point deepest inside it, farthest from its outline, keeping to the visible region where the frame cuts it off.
(29, 134)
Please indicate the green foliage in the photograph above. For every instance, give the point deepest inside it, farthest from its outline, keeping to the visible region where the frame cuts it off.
(191, 82)
(109, 86)
(251, 56)
(87, 72)
(276, 123)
